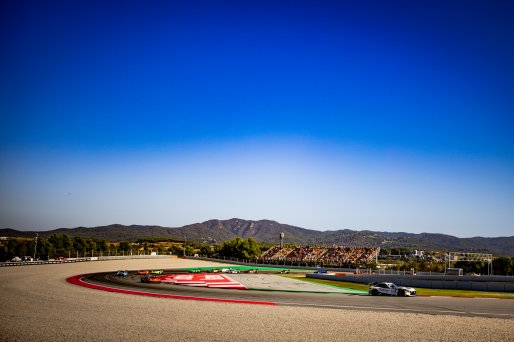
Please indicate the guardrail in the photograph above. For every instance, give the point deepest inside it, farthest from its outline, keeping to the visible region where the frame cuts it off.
(70, 260)
(120, 257)
(475, 283)
(45, 262)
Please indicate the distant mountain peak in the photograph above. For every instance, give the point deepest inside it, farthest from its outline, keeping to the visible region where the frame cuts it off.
(268, 231)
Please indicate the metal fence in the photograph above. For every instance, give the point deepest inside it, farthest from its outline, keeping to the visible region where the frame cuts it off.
(288, 263)
(45, 262)
(477, 283)
(72, 260)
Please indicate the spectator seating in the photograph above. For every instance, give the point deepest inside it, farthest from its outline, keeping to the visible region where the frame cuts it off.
(329, 255)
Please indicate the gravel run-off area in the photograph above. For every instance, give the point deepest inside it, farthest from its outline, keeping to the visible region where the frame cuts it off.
(37, 304)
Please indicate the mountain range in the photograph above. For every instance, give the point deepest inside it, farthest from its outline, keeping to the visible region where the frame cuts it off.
(269, 231)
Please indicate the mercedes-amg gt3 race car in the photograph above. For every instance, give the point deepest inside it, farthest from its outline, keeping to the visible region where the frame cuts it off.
(390, 289)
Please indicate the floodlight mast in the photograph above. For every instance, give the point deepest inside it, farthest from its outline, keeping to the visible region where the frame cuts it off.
(471, 257)
(35, 247)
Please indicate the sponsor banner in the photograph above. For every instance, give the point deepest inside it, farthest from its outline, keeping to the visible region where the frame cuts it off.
(202, 279)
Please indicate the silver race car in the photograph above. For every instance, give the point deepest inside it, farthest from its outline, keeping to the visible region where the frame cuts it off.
(390, 289)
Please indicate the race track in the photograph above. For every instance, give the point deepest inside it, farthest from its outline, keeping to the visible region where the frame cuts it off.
(497, 308)
(39, 305)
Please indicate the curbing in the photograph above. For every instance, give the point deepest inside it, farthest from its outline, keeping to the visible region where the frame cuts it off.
(77, 280)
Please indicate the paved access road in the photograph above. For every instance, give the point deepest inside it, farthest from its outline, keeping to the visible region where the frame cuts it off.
(497, 308)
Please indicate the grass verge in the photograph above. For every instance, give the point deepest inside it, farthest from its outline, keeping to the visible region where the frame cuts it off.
(420, 291)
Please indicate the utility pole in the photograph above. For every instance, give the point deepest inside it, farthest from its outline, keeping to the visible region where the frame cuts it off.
(35, 247)
(185, 242)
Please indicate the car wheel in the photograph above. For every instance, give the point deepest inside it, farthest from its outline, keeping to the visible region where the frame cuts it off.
(374, 293)
(401, 293)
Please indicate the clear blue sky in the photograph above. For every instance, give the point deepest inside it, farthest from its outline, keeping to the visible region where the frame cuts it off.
(381, 115)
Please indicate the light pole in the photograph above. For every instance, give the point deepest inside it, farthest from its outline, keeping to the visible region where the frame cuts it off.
(185, 243)
(35, 247)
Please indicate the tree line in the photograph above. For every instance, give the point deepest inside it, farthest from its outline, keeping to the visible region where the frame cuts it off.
(61, 245)
(57, 245)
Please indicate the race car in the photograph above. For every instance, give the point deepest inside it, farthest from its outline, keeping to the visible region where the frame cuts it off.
(121, 273)
(156, 271)
(390, 289)
(321, 271)
(143, 272)
(230, 270)
(150, 279)
(283, 271)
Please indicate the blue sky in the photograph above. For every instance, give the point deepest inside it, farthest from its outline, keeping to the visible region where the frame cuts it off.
(382, 115)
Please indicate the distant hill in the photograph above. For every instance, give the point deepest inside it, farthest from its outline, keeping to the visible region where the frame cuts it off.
(268, 231)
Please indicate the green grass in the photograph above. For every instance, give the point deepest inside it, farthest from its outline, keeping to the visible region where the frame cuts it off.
(244, 268)
(420, 291)
(343, 284)
(463, 293)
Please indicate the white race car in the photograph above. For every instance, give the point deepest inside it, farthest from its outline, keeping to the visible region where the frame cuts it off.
(390, 289)
(122, 273)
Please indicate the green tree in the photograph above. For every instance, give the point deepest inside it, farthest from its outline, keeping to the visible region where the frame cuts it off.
(206, 251)
(176, 250)
(9, 248)
(124, 246)
(101, 244)
(239, 248)
(43, 249)
(471, 267)
(90, 246)
(189, 250)
(79, 243)
(160, 250)
(502, 265)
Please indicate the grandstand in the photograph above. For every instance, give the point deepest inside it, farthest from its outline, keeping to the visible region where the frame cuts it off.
(335, 255)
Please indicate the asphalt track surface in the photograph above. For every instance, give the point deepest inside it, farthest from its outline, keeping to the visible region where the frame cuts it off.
(471, 307)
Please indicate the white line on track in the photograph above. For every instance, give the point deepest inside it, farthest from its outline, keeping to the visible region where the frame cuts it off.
(393, 309)
(485, 313)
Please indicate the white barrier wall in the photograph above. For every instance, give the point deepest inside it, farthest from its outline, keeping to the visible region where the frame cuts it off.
(481, 283)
